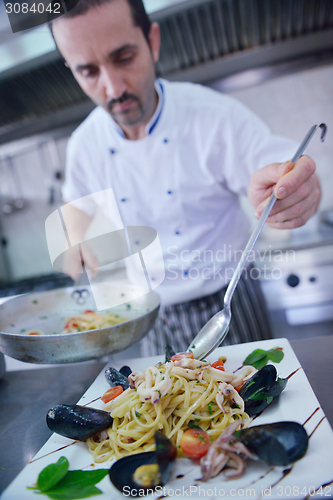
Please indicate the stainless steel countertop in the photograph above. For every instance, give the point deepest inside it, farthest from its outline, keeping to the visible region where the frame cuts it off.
(25, 397)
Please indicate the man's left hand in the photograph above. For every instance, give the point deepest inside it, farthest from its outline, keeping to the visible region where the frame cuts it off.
(295, 185)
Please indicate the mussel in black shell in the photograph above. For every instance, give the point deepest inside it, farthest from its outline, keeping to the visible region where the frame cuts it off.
(125, 370)
(113, 378)
(261, 389)
(77, 422)
(281, 443)
(145, 471)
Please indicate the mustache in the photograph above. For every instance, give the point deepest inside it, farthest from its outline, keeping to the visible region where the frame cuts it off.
(121, 99)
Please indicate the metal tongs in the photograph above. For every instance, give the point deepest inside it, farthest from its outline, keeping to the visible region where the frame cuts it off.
(216, 329)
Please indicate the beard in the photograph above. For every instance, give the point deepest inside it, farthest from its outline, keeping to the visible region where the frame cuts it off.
(129, 116)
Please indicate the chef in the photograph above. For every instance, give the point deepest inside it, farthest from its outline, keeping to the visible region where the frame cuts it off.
(177, 156)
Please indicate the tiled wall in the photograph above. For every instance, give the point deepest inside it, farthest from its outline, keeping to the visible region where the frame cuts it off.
(289, 104)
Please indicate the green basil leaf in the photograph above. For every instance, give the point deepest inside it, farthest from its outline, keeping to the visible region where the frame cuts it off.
(259, 358)
(275, 355)
(52, 474)
(82, 478)
(73, 492)
(260, 363)
(255, 356)
(58, 483)
(78, 484)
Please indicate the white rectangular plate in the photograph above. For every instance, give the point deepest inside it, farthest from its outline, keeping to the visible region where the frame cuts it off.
(297, 403)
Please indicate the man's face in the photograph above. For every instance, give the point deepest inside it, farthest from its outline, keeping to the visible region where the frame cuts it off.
(111, 60)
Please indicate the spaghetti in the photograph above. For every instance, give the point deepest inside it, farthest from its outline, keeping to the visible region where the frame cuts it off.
(89, 320)
(170, 397)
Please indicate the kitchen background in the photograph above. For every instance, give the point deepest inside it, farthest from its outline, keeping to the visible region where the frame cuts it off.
(274, 56)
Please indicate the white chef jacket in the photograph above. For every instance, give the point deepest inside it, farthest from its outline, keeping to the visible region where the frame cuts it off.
(183, 179)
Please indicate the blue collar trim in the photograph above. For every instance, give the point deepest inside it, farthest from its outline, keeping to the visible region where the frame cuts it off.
(161, 100)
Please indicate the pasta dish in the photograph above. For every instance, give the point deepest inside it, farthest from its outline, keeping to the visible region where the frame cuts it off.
(89, 320)
(171, 398)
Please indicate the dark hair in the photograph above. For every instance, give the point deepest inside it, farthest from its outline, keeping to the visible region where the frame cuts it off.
(139, 14)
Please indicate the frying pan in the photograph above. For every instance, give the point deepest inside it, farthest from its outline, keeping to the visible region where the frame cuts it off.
(47, 311)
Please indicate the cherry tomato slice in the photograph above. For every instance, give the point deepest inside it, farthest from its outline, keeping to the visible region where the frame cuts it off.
(195, 443)
(112, 393)
(70, 324)
(88, 311)
(239, 386)
(219, 365)
(181, 355)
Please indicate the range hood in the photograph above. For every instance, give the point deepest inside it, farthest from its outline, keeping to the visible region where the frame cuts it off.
(202, 40)
(32, 48)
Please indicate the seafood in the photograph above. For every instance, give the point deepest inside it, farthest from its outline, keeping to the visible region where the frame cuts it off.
(113, 378)
(153, 384)
(145, 470)
(261, 389)
(77, 422)
(280, 443)
(125, 370)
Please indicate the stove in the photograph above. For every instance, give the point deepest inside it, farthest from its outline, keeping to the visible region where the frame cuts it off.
(297, 284)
